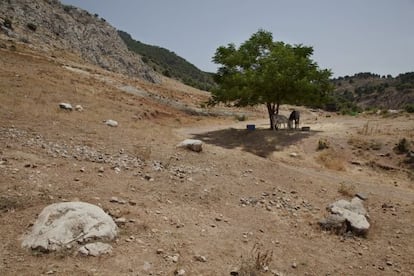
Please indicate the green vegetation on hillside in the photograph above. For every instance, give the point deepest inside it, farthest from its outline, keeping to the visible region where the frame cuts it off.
(169, 64)
(368, 91)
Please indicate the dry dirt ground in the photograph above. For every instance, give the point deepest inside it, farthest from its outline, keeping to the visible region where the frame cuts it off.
(208, 213)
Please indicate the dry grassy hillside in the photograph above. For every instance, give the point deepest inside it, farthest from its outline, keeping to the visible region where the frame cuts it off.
(249, 202)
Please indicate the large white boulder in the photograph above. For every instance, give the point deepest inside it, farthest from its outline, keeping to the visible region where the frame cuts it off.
(192, 144)
(61, 225)
(353, 212)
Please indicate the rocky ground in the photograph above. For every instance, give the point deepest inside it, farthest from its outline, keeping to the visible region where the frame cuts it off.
(249, 199)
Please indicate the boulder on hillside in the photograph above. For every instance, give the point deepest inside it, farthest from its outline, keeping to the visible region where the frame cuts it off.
(352, 212)
(62, 225)
(191, 144)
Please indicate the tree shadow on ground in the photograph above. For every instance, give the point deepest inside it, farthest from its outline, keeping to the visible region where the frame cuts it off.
(261, 142)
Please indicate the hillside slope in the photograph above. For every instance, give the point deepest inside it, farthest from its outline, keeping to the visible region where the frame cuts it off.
(367, 90)
(49, 26)
(198, 212)
(169, 64)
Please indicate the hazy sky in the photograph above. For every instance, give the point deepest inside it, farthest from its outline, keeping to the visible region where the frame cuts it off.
(347, 36)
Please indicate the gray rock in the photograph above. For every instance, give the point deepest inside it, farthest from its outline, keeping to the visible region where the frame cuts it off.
(334, 223)
(95, 249)
(62, 224)
(192, 144)
(66, 106)
(362, 196)
(354, 213)
(111, 123)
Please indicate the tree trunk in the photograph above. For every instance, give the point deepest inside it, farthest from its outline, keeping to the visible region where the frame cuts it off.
(271, 110)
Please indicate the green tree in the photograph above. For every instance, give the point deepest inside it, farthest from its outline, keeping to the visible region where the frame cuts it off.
(262, 71)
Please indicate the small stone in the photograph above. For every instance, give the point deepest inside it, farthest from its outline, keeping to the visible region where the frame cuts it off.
(160, 251)
(180, 272)
(174, 258)
(114, 199)
(101, 169)
(362, 196)
(120, 221)
(66, 106)
(389, 263)
(111, 123)
(294, 265)
(78, 107)
(147, 266)
(200, 258)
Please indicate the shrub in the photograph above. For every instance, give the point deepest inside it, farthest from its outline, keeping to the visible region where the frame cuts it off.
(241, 117)
(346, 189)
(323, 144)
(256, 263)
(403, 146)
(67, 8)
(332, 160)
(409, 108)
(32, 27)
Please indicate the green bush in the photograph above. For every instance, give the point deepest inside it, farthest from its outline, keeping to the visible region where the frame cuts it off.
(403, 146)
(409, 108)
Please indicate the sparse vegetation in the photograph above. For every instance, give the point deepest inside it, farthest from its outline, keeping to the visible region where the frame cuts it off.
(409, 108)
(323, 144)
(403, 146)
(256, 263)
(332, 160)
(241, 117)
(367, 129)
(368, 90)
(346, 189)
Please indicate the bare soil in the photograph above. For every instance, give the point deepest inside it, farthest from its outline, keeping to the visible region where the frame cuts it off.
(257, 189)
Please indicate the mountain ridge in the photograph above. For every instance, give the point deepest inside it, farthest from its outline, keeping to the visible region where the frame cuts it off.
(50, 25)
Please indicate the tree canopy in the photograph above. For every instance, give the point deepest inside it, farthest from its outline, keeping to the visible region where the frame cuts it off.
(263, 71)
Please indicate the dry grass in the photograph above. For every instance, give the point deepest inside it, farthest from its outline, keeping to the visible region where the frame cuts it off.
(332, 160)
(361, 143)
(347, 189)
(369, 130)
(256, 263)
(323, 144)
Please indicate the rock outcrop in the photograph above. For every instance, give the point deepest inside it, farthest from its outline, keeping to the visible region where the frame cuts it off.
(66, 224)
(49, 25)
(347, 216)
